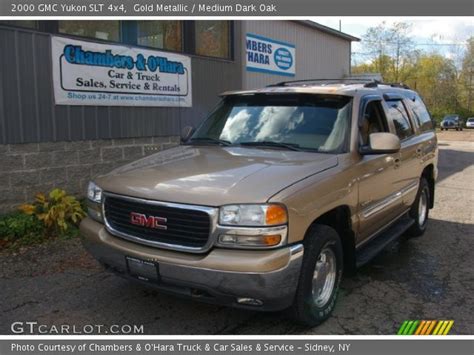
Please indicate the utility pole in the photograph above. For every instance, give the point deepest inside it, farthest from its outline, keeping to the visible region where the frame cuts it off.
(469, 99)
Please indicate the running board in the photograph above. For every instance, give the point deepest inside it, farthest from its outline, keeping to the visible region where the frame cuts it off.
(375, 246)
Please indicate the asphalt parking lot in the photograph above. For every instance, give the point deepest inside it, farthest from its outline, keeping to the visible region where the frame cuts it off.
(431, 277)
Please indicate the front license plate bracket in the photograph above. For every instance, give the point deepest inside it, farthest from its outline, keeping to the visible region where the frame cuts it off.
(142, 269)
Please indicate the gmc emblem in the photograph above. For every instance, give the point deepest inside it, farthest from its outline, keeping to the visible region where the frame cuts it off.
(142, 220)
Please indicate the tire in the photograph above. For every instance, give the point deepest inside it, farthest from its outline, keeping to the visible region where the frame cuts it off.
(419, 212)
(321, 243)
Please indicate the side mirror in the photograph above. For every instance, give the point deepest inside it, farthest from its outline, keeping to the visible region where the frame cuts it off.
(186, 133)
(381, 143)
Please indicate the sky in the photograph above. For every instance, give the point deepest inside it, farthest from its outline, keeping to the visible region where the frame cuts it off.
(445, 35)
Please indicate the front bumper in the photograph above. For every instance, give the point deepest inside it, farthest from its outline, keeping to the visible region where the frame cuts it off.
(220, 276)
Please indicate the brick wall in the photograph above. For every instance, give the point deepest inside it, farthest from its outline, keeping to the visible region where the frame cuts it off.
(26, 169)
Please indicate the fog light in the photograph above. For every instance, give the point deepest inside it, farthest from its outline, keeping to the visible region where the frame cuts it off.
(95, 214)
(250, 301)
(94, 211)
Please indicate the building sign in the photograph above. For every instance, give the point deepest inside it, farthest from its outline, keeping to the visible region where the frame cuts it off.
(267, 55)
(87, 73)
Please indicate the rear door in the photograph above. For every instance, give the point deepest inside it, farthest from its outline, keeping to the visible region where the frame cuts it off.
(425, 141)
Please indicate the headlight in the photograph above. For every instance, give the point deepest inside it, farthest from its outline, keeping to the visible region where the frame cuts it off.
(94, 193)
(253, 215)
(94, 200)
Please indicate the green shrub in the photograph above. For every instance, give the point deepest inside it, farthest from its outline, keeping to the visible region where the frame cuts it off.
(20, 229)
(58, 211)
(52, 216)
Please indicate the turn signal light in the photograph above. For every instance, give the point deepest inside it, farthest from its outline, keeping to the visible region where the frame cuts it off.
(275, 214)
(271, 240)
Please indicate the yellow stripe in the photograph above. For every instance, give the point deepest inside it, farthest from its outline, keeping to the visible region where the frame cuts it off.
(440, 323)
(418, 330)
(427, 325)
(441, 330)
(448, 327)
(431, 327)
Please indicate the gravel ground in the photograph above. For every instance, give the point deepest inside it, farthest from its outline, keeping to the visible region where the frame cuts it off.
(431, 277)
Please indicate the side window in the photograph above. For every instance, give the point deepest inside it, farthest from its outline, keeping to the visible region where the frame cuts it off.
(421, 114)
(373, 121)
(399, 115)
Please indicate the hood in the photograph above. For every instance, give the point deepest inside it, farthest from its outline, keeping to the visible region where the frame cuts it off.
(214, 175)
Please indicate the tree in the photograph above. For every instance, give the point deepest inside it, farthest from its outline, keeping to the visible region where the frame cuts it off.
(389, 47)
(446, 84)
(435, 78)
(467, 75)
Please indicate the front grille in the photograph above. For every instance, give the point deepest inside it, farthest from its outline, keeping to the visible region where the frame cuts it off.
(185, 227)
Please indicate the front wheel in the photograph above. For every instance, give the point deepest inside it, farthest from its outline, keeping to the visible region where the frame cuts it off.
(320, 276)
(420, 209)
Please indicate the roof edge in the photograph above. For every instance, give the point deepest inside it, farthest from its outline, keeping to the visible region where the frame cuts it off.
(327, 30)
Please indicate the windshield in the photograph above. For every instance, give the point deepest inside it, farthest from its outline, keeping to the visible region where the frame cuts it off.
(299, 121)
(450, 118)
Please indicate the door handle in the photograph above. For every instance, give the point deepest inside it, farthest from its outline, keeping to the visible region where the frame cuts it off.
(396, 163)
(419, 152)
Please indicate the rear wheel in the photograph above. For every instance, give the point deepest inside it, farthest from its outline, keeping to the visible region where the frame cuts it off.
(420, 209)
(320, 276)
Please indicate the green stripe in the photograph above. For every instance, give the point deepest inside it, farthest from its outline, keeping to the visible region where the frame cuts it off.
(413, 327)
(402, 328)
(407, 328)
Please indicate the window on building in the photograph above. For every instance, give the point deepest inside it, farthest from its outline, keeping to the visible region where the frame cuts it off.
(104, 30)
(213, 38)
(21, 23)
(160, 34)
(400, 119)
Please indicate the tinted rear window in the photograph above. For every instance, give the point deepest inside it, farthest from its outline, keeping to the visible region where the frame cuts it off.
(421, 114)
(400, 119)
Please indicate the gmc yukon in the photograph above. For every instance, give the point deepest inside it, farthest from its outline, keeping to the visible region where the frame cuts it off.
(278, 192)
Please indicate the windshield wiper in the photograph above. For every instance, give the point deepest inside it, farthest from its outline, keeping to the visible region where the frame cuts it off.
(291, 146)
(211, 140)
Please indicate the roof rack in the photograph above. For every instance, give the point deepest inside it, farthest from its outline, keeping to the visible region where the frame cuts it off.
(368, 83)
(321, 81)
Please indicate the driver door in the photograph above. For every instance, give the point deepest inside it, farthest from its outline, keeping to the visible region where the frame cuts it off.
(379, 198)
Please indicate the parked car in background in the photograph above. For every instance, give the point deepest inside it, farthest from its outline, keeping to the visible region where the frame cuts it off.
(470, 122)
(451, 122)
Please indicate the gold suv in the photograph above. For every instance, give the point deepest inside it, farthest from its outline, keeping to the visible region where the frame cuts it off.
(276, 193)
